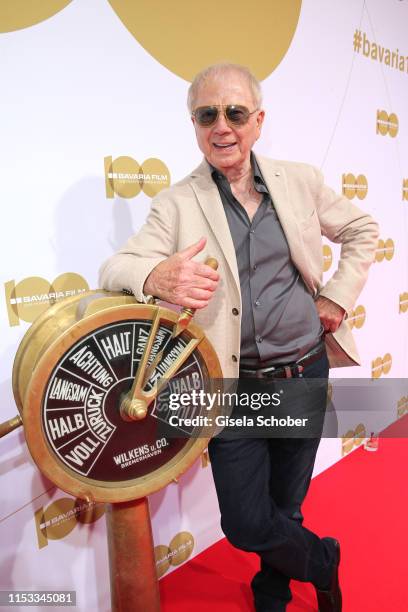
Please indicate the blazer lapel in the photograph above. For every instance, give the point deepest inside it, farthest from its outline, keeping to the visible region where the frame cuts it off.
(210, 201)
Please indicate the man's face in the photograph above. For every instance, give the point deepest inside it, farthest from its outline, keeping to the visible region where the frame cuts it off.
(224, 145)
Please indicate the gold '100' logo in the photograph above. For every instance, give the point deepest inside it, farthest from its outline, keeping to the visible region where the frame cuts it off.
(403, 302)
(352, 438)
(381, 365)
(125, 177)
(178, 551)
(61, 517)
(402, 406)
(387, 124)
(384, 250)
(30, 297)
(354, 186)
(405, 189)
(357, 317)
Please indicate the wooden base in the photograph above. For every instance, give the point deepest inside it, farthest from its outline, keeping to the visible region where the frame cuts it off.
(133, 578)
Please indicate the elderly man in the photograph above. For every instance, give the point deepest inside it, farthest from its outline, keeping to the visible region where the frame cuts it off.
(265, 310)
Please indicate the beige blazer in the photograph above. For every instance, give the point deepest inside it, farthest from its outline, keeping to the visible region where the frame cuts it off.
(307, 209)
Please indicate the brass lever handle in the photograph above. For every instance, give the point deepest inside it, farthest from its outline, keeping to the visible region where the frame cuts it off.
(8, 426)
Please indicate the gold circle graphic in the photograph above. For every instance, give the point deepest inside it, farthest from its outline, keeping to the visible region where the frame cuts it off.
(358, 318)
(162, 557)
(382, 122)
(348, 441)
(60, 518)
(359, 434)
(31, 295)
(327, 257)
(376, 367)
(19, 14)
(186, 36)
(393, 125)
(380, 252)
(403, 302)
(124, 176)
(349, 185)
(181, 547)
(88, 512)
(69, 282)
(387, 363)
(389, 249)
(155, 176)
(361, 186)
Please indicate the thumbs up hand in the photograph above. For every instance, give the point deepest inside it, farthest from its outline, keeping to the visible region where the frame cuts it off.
(179, 280)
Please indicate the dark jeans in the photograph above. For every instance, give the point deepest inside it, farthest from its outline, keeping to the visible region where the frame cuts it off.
(261, 484)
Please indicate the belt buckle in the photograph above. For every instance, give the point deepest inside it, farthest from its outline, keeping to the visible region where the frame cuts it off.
(266, 372)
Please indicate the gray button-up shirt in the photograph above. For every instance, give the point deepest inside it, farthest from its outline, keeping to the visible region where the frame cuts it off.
(279, 320)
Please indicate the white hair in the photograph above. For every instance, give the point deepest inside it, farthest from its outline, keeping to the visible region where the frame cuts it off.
(220, 69)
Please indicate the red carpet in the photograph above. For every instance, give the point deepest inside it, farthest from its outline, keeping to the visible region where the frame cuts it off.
(363, 501)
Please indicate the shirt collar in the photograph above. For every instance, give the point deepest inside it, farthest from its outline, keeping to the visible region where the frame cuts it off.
(259, 182)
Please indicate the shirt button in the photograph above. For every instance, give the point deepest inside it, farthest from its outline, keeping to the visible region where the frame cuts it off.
(259, 338)
(255, 267)
(235, 311)
(234, 358)
(252, 231)
(257, 303)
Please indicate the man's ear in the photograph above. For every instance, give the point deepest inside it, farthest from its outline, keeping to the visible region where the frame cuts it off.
(260, 119)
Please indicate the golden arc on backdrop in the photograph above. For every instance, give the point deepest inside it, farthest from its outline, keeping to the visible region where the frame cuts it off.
(187, 36)
(19, 14)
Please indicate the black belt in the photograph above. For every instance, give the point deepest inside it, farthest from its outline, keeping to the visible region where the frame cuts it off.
(289, 370)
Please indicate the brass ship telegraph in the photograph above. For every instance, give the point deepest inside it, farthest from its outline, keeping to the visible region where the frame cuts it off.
(92, 379)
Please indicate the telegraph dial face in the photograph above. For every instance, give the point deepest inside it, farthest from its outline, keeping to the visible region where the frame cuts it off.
(74, 426)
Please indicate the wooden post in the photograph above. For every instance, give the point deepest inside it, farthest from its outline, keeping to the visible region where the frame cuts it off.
(133, 578)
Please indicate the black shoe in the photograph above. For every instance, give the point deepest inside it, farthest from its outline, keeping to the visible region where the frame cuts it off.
(330, 600)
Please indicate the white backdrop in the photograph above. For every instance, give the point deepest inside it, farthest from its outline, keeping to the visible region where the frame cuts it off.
(78, 87)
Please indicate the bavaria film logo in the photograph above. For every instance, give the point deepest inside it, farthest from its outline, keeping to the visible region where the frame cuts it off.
(405, 189)
(381, 365)
(126, 178)
(352, 439)
(353, 186)
(385, 250)
(58, 519)
(387, 124)
(357, 317)
(30, 297)
(178, 551)
(403, 302)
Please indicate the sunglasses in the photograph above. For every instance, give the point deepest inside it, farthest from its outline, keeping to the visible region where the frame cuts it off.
(235, 114)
